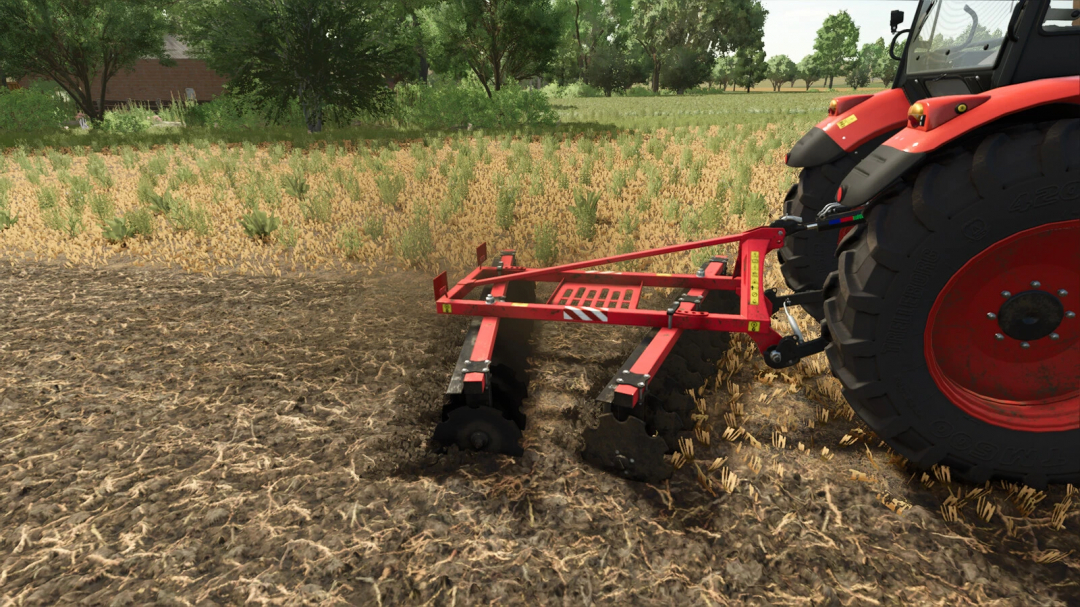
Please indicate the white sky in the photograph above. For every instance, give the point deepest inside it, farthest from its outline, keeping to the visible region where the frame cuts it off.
(792, 25)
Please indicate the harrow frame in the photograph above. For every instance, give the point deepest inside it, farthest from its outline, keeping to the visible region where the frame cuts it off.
(637, 426)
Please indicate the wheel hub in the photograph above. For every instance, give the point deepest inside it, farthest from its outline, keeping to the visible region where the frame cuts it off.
(1031, 315)
(1002, 340)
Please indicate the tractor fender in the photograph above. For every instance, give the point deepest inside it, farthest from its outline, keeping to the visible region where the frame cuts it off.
(935, 122)
(860, 119)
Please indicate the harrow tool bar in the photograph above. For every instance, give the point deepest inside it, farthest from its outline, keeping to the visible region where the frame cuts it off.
(755, 309)
(645, 406)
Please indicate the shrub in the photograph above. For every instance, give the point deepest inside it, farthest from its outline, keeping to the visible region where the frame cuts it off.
(37, 107)
(585, 206)
(116, 230)
(140, 222)
(258, 225)
(547, 244)
(130, 119)
(295, 185)
(504, 206)
(319, 208)
(99, 171)
(373, 227)
(350, 242)
(47, 198)
(59, 162)
(188, 218)
(7, 219)
(390, 187)
(453, 105)
(574, 90)
(101, 204)
(287, 236)
(415, 243)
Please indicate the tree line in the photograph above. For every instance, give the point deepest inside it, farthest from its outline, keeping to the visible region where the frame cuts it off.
(346, 55)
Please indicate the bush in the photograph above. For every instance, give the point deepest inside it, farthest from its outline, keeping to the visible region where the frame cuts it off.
(131, 119)
(116, 230)
(140, 222)
(547, 244)
(415, 243)
(258, 225)
(448, 106)
(584, 210)
(574, 90)
(40, 106)
(350, 242)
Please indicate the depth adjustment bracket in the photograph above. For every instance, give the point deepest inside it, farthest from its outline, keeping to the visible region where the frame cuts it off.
(790, 351)
(636, 380)
(795, 299)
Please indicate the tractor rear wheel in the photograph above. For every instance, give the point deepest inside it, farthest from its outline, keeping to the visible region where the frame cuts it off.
(953, 314)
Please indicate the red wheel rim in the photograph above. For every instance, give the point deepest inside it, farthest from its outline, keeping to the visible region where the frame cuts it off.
(973, 359)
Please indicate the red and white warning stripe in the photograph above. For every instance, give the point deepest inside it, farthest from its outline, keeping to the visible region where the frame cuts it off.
(584, 314)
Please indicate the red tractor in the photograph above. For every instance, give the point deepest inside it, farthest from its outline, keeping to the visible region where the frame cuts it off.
(934, 231)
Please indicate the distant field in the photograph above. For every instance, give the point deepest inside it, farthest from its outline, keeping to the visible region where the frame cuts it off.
(694, 166)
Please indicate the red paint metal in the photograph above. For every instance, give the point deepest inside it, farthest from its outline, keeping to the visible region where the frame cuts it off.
(939, 110)
(839, 105)
(874, 116)
(489, 327)
(997, 381)
(654, 355)
(999, 102)
(747, 281)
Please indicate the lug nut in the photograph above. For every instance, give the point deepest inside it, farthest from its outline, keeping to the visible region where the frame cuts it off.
(1062, 292)
(641, 384)
(1070, 314)
(1035, 284)
(999, 336)
(775, 357)
(1054, 336)
(991, 315)
(1006, 294)
(1025, 345)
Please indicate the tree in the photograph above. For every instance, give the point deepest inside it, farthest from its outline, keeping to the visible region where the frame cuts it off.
(73, 42)
(328, 55)
(871, 54)
(750, 67)
(712, 26)
(779, 70)
(685, 68)
(723, 71)
(857, 72)
(808, 71)
(885, 67)
(611, 67)
(588, 25)
(500, 41)
(836, 45)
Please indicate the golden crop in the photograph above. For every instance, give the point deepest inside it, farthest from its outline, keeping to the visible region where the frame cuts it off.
(664, 198)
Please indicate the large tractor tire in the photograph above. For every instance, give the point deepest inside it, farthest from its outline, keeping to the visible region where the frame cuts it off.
(808, 257)
(953, 314)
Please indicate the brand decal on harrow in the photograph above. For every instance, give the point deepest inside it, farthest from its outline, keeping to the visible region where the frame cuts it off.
(755, 281)
(584, 314)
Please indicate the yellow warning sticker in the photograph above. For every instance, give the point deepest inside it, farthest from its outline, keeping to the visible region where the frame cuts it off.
(518, 304)
(846, 121)
(662, 274)
(755, 279)
(753, 326)
(446, 308)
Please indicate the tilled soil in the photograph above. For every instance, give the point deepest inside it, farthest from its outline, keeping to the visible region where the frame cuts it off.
(178, 439)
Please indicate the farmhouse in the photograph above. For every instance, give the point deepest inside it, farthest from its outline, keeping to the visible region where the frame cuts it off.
(153, 83)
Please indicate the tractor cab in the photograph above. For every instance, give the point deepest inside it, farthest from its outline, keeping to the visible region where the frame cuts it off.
(963, 47)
